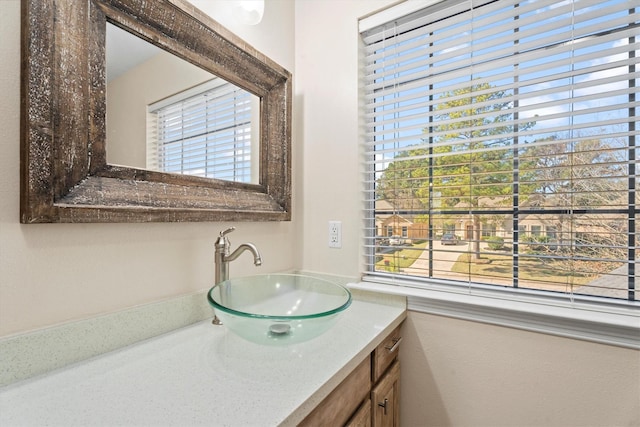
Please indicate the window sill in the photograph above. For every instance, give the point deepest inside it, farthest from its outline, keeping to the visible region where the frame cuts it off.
(613, 324)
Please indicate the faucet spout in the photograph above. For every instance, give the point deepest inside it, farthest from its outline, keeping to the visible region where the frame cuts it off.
(257, 259)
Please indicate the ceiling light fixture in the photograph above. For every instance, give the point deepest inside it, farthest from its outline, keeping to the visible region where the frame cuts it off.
(248, 12)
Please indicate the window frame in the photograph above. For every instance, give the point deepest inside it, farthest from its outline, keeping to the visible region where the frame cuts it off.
(614, 322)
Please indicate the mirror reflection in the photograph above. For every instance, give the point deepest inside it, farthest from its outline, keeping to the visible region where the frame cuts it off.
(168, 115)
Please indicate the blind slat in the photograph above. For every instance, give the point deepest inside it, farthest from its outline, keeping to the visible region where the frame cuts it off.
(206, 132)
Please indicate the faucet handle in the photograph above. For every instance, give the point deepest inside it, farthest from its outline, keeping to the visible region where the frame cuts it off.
(227, 231)
(222, 241)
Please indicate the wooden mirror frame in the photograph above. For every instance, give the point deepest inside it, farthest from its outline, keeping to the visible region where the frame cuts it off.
(64, 173)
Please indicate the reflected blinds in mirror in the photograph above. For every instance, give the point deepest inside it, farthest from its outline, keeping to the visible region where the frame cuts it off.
(204, 131)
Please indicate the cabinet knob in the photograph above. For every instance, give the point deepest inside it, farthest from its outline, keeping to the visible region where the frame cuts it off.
(384, 405)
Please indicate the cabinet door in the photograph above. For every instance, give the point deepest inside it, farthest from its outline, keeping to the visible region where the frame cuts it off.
(385, 399)
(362, 418)
(344, 400)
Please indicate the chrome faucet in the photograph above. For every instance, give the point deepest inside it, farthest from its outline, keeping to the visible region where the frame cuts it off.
(223, 255)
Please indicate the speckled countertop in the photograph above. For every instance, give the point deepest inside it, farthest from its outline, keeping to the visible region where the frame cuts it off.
(201, 375)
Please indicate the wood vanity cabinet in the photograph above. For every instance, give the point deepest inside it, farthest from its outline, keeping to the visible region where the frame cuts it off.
(385, 395)
(338, 407)
(362, 417)
(385, 373)
(369, 396)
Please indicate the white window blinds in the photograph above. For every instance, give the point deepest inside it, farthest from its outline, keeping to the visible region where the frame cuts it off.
(512, 126)
(205, 131)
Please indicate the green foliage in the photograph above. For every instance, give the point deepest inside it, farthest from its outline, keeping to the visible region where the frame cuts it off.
(466, 160)
(495, 243)
(530, 268)
(477, 141)
(536, 244)
(400, 259)
(471, 154)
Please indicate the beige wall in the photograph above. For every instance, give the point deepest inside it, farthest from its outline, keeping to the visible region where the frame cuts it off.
(128, 96)
(326, 117)
(54, 273)
(461, 373)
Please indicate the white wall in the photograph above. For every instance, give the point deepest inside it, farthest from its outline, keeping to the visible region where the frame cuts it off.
(54, 273)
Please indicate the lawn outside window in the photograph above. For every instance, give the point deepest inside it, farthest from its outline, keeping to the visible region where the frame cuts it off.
(512, 125)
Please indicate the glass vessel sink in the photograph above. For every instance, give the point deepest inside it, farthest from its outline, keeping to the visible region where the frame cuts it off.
(278, 309)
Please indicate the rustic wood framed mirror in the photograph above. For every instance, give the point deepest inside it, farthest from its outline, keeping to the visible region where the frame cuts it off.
(65, 176)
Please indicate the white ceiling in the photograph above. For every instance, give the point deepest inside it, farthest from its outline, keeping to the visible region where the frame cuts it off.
(125, 51)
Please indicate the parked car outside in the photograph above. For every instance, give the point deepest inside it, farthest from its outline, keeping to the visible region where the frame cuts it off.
(383, 242)
(449, 239)
(396, 241)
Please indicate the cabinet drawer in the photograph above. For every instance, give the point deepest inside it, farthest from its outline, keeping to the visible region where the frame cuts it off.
(386, 353)
(344, 400)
